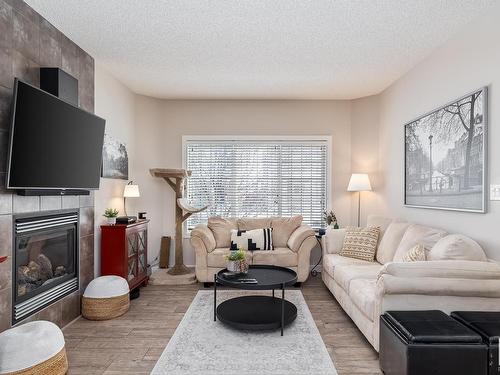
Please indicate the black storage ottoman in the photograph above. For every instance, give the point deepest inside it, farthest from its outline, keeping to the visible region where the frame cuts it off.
(429, 343)
(487, 325)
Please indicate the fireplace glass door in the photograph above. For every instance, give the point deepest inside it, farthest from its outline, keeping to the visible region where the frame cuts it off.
(44, 258)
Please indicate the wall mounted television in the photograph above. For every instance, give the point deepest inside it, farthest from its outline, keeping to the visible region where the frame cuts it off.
(55, 148)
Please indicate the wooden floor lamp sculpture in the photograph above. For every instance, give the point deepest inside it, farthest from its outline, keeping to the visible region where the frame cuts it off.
(183, 210)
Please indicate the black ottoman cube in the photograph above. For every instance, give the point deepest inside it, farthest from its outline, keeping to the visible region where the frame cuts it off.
(429, 342)
(487, 325)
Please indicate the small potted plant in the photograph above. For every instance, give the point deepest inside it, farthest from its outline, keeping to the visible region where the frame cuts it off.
(331, 219)
(110, 214)
(236, 261)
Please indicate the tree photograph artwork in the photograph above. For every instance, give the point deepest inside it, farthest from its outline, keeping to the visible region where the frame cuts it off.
(114, 159)
(445, 156)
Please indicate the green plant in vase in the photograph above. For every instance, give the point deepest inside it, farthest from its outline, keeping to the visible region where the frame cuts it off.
(331, 219)
(236, 261)
(110, 214)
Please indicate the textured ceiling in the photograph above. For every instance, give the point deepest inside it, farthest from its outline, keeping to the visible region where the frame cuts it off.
(336, 49)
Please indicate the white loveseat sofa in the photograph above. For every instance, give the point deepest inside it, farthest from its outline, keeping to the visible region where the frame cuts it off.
(456, 276)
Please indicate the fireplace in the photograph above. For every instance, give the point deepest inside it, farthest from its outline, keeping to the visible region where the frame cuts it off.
(45, 265)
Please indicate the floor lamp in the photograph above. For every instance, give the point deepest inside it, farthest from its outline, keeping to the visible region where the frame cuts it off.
(359, 182)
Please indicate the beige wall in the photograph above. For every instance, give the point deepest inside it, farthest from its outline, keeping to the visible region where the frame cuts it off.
(115, 103)
(468, 61)
(367, 135)
(162, 123)
(364, 154)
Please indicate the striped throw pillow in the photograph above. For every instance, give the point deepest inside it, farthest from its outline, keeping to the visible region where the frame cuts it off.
(256, 239)
(415, 254)
(360, 243)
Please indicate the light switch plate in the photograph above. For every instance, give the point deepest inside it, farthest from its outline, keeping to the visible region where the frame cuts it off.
(494, 192)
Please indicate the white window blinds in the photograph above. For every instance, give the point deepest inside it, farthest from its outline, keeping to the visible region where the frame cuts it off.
(240, 178)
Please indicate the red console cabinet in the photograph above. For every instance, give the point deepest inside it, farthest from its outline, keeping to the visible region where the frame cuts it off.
(124, 252)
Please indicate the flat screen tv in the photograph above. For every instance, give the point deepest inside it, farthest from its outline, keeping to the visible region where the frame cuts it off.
(53, 144)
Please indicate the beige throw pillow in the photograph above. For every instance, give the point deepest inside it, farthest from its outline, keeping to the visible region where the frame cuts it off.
(415, 254)
(457, 247)
(360, 243)
(283, 227)
(221, 228)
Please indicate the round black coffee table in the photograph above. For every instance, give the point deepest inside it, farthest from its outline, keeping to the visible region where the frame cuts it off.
(257, 312)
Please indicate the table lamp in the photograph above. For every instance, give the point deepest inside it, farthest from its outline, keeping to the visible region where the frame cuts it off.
(359, 182)
(131, 191)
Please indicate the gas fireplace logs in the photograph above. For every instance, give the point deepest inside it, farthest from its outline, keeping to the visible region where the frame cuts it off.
(37, 273)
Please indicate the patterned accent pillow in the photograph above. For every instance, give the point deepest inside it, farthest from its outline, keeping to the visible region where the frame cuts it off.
(360, 243)
(256, 239)
(415, 254)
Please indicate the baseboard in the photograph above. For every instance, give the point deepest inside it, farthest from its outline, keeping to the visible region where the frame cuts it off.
(70, 323)
(154, 268)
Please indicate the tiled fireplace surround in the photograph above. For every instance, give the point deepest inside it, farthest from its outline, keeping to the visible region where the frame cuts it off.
(27, 42)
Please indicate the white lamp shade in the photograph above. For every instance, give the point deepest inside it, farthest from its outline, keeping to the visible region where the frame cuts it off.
(359, 182)
(131, 191)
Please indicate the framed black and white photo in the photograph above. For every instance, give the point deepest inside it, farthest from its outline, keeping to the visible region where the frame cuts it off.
(446, 157)
(114, 159)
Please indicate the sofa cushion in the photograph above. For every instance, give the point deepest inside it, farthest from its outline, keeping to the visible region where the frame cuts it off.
(360, 243)
(363, 295)
(281, 256)
(249, 223)
(334, 239)
(390, 241)
(415, 254)
(347, 273)
(331, 261)
(457, 247)
(381, 222)
(256, 239)
(283, 227)
(221, 228)
(448, 269)
(217, 258)
(418, 234)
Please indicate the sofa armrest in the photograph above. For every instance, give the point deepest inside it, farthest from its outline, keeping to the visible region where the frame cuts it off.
(298, 236)
(447, 269)
(434, 286)
(304, 258)
(203, 233)
(333, 240)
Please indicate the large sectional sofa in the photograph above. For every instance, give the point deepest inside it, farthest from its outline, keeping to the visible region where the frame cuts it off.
(456, 276)
(293, 242)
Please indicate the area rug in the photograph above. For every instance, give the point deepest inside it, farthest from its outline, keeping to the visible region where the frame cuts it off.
(201, 346)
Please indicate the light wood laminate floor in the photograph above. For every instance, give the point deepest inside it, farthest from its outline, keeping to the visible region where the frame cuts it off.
(133, 343)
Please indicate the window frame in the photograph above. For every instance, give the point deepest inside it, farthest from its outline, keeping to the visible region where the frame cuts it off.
(264, 138)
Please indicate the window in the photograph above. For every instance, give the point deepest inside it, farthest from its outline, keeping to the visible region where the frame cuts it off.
(263, 177)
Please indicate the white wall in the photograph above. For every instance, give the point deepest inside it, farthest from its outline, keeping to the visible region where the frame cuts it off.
(466, 62)
(115, 103)
(162, 123)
